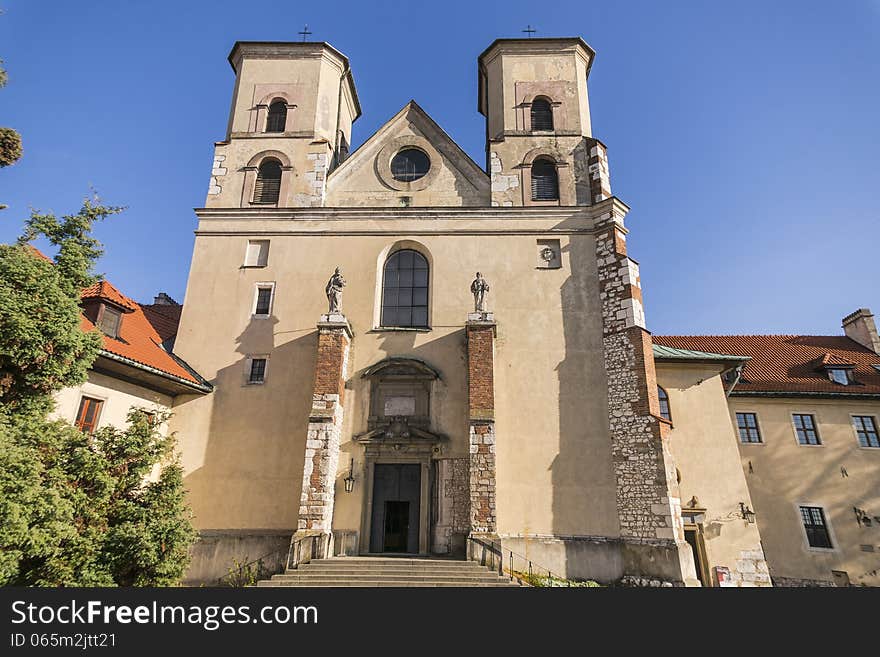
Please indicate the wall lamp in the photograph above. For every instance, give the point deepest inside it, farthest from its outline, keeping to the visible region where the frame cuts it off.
(349, 480)
(747, 513)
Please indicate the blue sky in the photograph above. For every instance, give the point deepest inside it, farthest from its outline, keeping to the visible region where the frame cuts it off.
(745, 136)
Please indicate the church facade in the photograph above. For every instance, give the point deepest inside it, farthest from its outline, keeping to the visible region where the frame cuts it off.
(413, 353)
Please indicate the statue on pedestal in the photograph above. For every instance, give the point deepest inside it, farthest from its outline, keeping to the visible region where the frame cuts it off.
(334, 291)
(479, 288)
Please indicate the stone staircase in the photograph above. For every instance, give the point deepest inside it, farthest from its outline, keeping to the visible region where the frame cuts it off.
(388, 571)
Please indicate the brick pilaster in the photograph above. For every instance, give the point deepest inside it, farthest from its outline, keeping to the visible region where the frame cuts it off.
(480, 330)
(325, 425)
(648, 504)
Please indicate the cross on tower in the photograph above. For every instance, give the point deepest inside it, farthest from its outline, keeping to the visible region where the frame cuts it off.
(305, 32)
(530, 30)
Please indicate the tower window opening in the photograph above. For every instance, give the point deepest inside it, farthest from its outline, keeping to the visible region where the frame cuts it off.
(545, 181)
(542, 115)
(277, 119)
(268, 187)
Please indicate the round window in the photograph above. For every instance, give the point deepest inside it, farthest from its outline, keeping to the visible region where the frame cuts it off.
(410, 164)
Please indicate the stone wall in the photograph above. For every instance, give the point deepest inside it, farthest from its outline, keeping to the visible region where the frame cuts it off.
(453, 506)
(648, 505)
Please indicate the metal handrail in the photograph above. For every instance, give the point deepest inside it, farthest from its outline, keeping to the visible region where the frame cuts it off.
(497, 549)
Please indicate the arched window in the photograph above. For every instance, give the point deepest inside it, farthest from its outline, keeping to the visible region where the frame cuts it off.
(268, 186)
(542, 114)
(545, 182)
(277, 116)
(664, 404)
(405, 290)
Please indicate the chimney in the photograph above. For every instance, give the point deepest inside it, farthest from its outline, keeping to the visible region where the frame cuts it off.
(163, 299)
(859, 326)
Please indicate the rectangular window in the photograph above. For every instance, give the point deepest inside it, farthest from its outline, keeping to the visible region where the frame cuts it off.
(257, 372)
(805, 429)
(88, 415)
(866, 430)
(109, 321)
(257, 254)
(813, 518)
(747, 423)
(263, 300)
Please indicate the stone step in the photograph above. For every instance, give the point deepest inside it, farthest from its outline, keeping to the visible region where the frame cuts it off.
(387, 568)
(379, 583)
(351, 577)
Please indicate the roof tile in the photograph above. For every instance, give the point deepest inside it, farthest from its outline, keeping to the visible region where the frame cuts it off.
(788, 363)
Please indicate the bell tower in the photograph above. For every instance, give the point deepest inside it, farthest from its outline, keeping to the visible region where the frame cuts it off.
(290, 124)
(539, 144)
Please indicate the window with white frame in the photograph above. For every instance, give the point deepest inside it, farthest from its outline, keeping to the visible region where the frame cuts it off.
(264, 297)
(257, 254)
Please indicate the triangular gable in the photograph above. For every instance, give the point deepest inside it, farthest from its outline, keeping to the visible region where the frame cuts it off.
(454, 178)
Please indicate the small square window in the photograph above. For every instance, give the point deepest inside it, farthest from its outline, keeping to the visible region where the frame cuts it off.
(257, 372)
(805, 429)
(815, 526)
(257, 254)
(747, 424)
(866, 430)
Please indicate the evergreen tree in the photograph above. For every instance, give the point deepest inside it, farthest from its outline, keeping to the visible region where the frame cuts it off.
(75, 509)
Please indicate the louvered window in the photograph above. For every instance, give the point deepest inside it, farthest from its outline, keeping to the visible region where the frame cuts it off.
(545, 182)
(542, 115)
(405, 290)
(277, 117)
(268, 185)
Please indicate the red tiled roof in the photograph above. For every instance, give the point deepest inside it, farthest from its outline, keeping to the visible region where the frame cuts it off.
(140, 340)
(104, 290)
(790, 363)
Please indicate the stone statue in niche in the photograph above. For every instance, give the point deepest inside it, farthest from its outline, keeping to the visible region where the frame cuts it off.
(334, 291)
(479, 288)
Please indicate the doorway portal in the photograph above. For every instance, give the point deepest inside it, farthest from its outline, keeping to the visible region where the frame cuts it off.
(395, 513)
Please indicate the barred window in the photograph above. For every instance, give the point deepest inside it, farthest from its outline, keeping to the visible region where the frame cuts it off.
(277, 118)
(542, 114)
(664, 404)
(866, 430)
(545, 182)
(747, 423)
(268, 187)
(405, 290)
(805, 429)
(813, 518)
